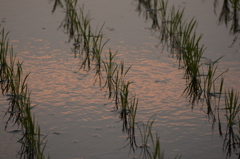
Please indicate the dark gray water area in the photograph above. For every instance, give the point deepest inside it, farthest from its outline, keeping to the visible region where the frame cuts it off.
(79, 121)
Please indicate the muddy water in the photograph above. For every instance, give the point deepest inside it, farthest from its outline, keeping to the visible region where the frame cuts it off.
(79, 120)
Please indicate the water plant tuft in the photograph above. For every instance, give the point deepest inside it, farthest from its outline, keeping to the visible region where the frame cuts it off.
(14, 85)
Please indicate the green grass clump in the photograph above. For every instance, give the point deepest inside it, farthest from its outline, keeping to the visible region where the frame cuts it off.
(150, 147)
(146, 137)
(87, 44)
(232, 107)
(14, 85)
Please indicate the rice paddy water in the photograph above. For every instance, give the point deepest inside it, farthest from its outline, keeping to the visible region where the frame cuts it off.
(177, 35)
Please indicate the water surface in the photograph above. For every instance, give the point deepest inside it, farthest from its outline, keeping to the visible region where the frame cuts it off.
(79, 120)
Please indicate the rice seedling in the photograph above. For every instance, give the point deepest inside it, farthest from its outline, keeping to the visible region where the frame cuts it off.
(118, 91)
(237, 136)
(215, 115)
(174, 24)
(231, 142)
(163, 16)
(18, 86)
(124, 99)
(130, 118)
(232, 107)
(81, 33)
(97, 49)
(32, 145)
(193, 90)
(146, 135)
(184, 42)
(210, 87)
(68, 23)
(4, 66)
(115, 74)
(77, 25)
(180, 36)
(19, 105)
(191, 56)
(151, 12)
(83, 26)
(110, 67)
(192, 74)
(210, 77)
(163, 9)
(119, 81)
(157, 154)
(230, 14)
(13, 81)
(150, 147)
(88, 45)
(56, 4)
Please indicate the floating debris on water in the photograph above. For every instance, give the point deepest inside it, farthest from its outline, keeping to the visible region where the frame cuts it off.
(110, 29)
(75, 141)
(57, 133)
(96, 135)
